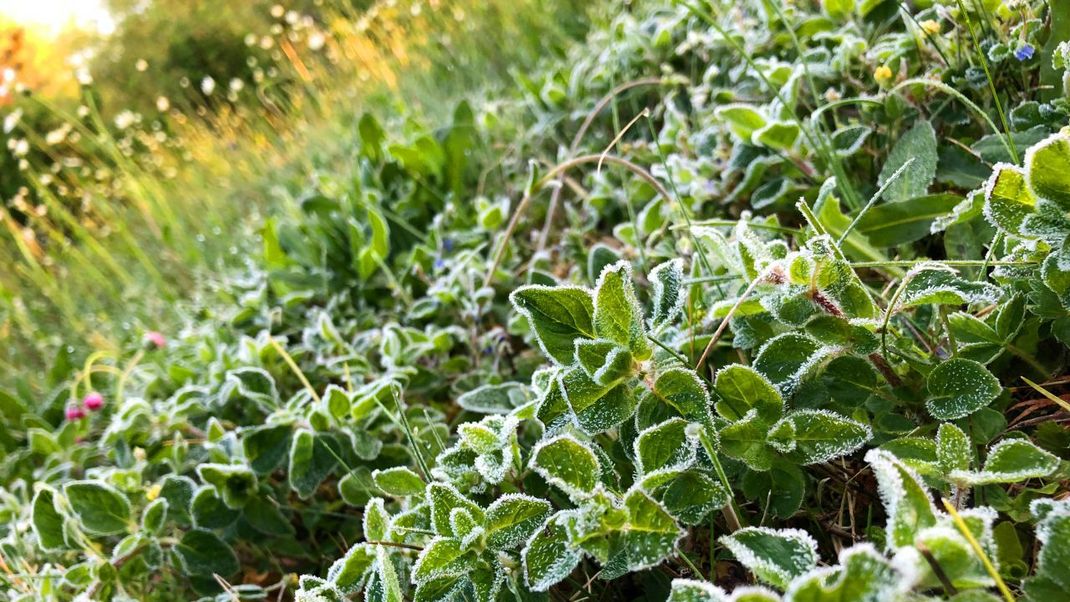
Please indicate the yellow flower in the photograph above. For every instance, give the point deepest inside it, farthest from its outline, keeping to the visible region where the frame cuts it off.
(930, 27)
(153, 492)
(882, 74)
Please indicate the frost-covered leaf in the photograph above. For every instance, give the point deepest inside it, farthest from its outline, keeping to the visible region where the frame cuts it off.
(444, 499)
(558, 316)
(666, 445)
(688, 495)
(682, 389)
(101, 509)
(1051, 580)
(236, 483)
(937, 284)
(775, 556)
(959, 387)
(548, 557)
(862, 575)
(1010, 461)
(900, 222)
(667, 280)
(742, 388)
(953, 448)
(917, 146)
(383, 584)
(906, 500)
(648, 538)
(1008, 199)
(617, 315)
(597, 408)
(348, 572)
(204, 554)
(313, 456)
(746, 440)
(47, 522)
(495, 398)
(568, 464)
(512, 519)
(787, 358)
(820, 435)
(442, 557)
(743, 120)
(604, 361)
(689, 590)
(376, 523)
(399, 481)
(1047, 166)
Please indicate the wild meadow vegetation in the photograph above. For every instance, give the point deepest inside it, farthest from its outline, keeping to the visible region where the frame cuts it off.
(687, 300)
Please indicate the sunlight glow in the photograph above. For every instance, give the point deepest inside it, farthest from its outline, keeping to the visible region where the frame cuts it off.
(52, 16)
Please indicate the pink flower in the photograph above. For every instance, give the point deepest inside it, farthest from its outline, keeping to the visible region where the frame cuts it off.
(75, 413)
(156, 339)
(93, 401)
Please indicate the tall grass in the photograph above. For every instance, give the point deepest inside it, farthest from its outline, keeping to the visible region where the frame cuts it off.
(121, 223)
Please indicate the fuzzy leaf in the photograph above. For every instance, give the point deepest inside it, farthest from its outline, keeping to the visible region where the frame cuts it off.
(568, 464)
(1010, 461)
(952, 448)
(513, 518)
(101, 509)
(682, 389)
(548, 556)
(1047, 167)
(494, 399)
(442, 557)
(741, 389)
(558, 316)
(47, 521)
(906, 500)
(775, 556)
(617, 316)
(444, 499)
(399, 481)
(313, 457)
(667, 280)
(597, 408)
(666, 445)
(820, 436)
(1008, 199)
(959, 387)
(919, 144)
(204, 554)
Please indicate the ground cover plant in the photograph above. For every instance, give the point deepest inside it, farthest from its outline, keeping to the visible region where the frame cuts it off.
(734, 301)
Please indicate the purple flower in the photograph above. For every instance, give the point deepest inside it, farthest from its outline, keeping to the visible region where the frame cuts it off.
(1024, 52)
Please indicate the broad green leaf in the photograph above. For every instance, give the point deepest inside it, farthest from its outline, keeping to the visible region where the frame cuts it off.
(650, 535)
(838, 9)
(376, 522)
(399, 481)
(666, 445)
(568, 464)
(604, 361)
(444, 499)
(265, 516)
(597, 408)
(862, 574)
(919, 144)
(908, 220)
(154, 515)
(101, 509)
(204, 554)
(959, 387)
(1010, 461)
(786, 358)
(667, 280)
(937, 284)
(1051, 580)
(209, 511)
(558, 316)
(442, 557)
(513, 518)
(1047, 167)
(313, 456)
(746, 440)
(682, 389)
(775, 556)
(548, 556)
(47, 522)
(820, 435)
(266, 447)
(494, 398)
(743, 120)
(349, 571)
(383, 584)
(1008, 199)
(777, 135)
(617, 315)
(235, 482)
(742, 388)
(906, 500)
(953, 448)
(688, 495)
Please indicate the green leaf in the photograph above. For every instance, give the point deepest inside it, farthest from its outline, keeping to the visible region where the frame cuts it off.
(742, 388)
(743, 120)
(1008, 199)
(667, 280)
(399, 481)
(1047, 167)
(919, 144)
(568, 464)
(777, 135)
(1010, 461)
(349, 571)
(785, 359)
(444, 500)
(688, 495)
(820, 435)
(494, 398)
(959, 387)
(681, 389)
(906, 500)
(775, 556)
(604, 361)
(204, 554)
(442, 557)
(937, 284)
(952, 448)
(154, 515)
(597, 408)
(264, 516)
(101, 509)
(862, 574)
(1051, 580)
(383, 584)
(838, 9)
(548, 556)
(650, 536)
(235, 482)
(266, 447)
(513, 518)
(558, 316)
(617, 315)
(47, 522)
(313, 457)
(376, 522)
(746, 440)
(209, 511)
(666, 445)
(905, 221)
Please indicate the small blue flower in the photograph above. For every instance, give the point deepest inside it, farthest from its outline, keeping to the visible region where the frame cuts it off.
(1024, 52)
(439, 263)
(447, 244)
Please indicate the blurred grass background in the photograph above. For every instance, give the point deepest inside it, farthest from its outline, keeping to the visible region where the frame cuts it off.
(137, 167)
